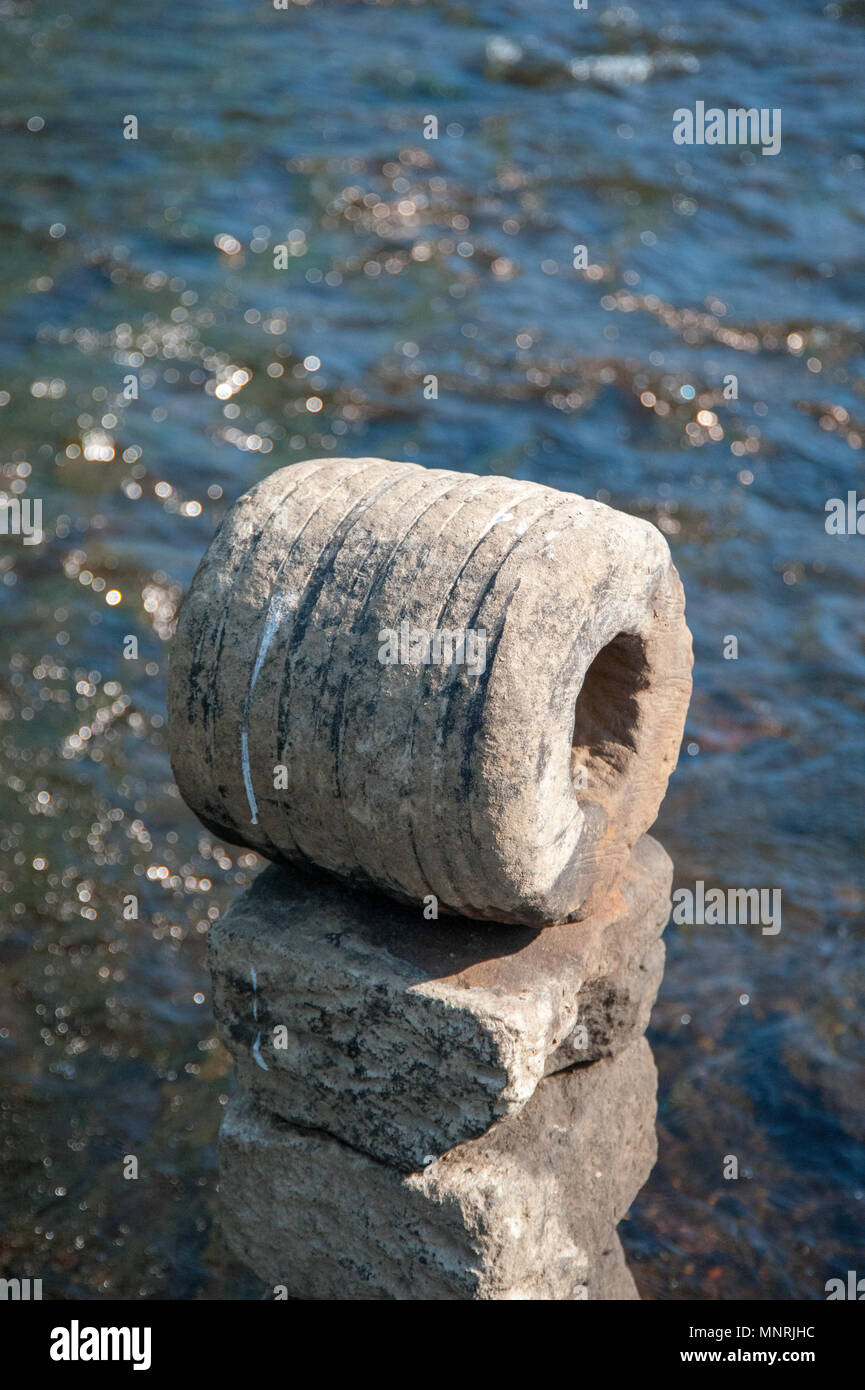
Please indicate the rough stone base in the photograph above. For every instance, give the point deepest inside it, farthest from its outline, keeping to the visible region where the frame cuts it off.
(528, 1211)
(404, 1037)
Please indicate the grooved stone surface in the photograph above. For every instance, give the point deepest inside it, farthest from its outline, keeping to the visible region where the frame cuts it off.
(404, 1037)
(526, 1212)
(456, 778)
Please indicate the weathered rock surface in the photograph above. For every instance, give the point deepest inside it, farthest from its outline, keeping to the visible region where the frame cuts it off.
(526, 1212)
(613, 1010)
(403, 1037)
(432, 777)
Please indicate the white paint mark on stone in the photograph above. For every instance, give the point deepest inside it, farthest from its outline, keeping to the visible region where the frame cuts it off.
(247, 776)
(279, 605)
(256, 1046)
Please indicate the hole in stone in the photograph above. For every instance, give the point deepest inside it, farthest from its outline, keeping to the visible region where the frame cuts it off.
(606, 715)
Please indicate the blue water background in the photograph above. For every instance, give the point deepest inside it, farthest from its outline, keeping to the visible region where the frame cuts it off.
(411, 257)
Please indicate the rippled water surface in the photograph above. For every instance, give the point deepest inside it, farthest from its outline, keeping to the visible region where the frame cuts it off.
(154, 258)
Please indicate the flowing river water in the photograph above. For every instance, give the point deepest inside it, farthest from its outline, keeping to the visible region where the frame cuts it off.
(150, 261)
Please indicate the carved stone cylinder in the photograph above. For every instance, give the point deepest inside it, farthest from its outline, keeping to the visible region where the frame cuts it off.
(472, 688)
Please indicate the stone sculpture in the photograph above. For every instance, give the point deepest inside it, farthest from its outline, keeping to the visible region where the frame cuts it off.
(514, 793)
(446, 707)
